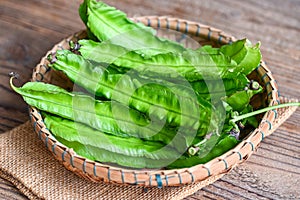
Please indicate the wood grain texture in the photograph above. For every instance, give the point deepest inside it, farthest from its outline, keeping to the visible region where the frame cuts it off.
(29, 28)
(13, 192)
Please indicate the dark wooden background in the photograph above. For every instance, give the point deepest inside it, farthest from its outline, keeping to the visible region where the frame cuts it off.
(29, 28)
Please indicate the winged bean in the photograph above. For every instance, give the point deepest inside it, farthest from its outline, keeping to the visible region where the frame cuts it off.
(130, 146)
(225, 143)
(112, 25)
(99, 114)
(146, 95)
(105, 156)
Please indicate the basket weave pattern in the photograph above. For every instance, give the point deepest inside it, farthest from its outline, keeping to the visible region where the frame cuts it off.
(214, 169)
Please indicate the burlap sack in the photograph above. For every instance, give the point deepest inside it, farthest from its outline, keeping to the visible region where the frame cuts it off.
(26, 163)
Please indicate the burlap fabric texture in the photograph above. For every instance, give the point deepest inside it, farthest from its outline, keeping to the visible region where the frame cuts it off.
(34, 171)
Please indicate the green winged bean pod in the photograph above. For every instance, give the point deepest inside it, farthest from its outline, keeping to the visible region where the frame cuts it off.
(240, 99)
(225, 143)
(97, 114)
(153, 98)
(112, 25)
(220, 88)
(192, 65)
(102, 155)
(129, 146)
(169, 66)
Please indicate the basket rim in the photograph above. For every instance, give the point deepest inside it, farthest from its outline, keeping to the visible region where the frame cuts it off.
(96, 171)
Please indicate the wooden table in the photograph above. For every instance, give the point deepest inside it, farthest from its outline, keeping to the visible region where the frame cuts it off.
(29, 28)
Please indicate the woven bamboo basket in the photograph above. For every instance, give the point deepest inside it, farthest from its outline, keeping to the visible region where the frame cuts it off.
(206, 173)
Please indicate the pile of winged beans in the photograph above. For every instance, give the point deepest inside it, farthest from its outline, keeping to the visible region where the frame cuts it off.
(147, 102)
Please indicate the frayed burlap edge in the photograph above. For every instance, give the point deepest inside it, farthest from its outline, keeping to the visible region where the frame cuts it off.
(26, 191)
